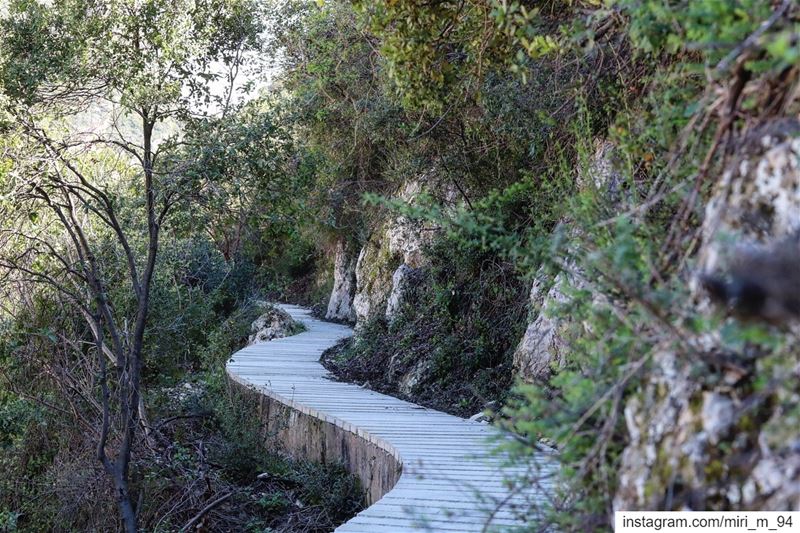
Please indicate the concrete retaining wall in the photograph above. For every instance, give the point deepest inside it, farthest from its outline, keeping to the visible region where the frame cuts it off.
(303, 433)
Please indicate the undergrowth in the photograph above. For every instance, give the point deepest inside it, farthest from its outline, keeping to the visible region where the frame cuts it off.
(454, 337)
(205, 445)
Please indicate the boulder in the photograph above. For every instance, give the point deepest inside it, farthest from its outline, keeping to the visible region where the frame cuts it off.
(274, 323)
(411, 380)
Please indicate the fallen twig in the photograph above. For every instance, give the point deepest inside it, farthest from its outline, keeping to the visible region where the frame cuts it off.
(205, 511)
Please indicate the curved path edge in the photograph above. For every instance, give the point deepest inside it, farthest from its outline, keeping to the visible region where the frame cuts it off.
(422, 470)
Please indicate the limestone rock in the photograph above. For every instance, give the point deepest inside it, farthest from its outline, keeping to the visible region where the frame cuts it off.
(275, 323)
(481, 417)
(601, 171)
(403, 280)
(665, 433)
(680, 420)
(405, 240)
(340, 304)
(717, 415)
(751, 235)
(415, 377)
(400, 241)
(543, 343)
(374, 270)
(779, 478)
(408, 238)
(757, 200)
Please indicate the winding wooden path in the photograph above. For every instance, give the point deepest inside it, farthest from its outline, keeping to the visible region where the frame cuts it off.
(451, 480)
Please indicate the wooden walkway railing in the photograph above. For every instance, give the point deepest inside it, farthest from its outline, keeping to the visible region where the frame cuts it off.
(422, 470)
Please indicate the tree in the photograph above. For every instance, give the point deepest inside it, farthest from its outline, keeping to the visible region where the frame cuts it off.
(254, 180)
(143, 67)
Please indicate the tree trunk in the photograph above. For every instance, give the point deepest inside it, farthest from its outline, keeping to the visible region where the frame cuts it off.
(125, 504)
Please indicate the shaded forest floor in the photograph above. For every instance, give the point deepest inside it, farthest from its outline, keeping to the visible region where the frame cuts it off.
(212, 450)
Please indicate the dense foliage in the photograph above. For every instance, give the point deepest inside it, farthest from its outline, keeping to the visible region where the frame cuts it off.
(498, 111)
(502, 101)
(139, 195)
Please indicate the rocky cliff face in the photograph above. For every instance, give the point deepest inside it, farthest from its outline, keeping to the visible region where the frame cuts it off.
(387, 270)
(340, 304)
(375, 283)
(543, 344)
(374, 269)
(714, 430)
(719, 431)
(757, 200)
(710, 427)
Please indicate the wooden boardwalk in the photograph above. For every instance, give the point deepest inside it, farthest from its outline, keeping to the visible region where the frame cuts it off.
(451, 480)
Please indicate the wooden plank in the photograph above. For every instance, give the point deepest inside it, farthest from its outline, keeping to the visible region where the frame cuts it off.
(452, 479)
